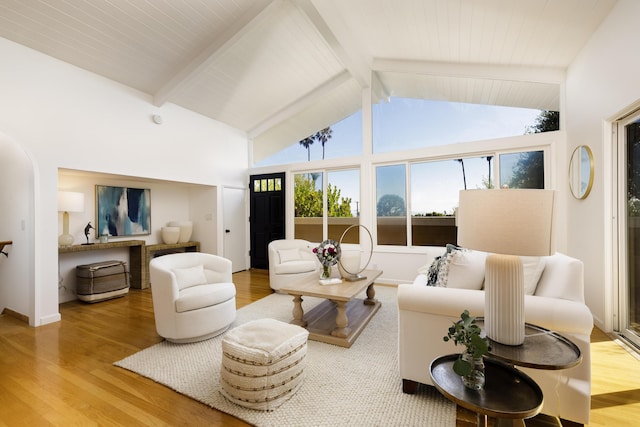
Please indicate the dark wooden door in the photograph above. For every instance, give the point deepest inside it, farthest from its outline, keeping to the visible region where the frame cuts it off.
(266, 220)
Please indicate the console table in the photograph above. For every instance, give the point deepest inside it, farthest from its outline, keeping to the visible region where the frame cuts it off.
(152, 249)
(139, 256)
(137, 274)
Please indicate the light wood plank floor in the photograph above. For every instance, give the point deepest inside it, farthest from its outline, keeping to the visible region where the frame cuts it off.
(62, 374)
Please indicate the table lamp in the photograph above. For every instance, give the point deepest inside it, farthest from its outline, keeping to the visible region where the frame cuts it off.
(507, 223)
(68, 201)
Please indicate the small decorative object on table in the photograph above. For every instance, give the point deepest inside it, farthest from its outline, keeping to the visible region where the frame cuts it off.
(328, 253)
(87, 230)
(470, 365)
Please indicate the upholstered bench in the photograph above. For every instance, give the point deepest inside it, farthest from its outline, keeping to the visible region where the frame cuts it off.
(263, 363)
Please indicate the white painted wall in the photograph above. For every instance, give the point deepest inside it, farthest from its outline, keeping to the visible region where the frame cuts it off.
(69, 118)
(601, 82)
(16, 270)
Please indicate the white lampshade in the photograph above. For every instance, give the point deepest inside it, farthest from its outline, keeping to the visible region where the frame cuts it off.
(68, 201)
(507, 223)
(510, 221)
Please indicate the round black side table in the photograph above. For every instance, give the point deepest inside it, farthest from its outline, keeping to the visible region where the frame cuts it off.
(542, 349)
(509, 395)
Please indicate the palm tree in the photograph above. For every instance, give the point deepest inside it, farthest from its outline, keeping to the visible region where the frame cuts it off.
(306, 143)
(323, 136)
(464, 175)
(489, 158)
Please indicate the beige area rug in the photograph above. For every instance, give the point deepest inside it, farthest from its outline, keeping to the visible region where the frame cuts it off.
(358, 386)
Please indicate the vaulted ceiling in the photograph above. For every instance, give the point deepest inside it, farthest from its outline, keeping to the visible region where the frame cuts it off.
(282, 69)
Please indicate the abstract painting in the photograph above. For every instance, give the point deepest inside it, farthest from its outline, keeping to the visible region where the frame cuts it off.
(123, 211)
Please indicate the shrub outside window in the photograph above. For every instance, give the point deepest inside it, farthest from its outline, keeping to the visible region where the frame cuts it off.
(308, 196)
(343, 188)
(522, 170)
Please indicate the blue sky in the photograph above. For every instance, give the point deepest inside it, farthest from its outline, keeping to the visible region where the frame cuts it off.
(411, 123)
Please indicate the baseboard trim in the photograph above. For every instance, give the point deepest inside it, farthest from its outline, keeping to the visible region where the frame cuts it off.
(15, 315)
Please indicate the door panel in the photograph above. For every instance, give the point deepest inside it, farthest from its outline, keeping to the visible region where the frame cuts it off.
(267, 219)
(629, 206)
(627, 311)
(235, 227)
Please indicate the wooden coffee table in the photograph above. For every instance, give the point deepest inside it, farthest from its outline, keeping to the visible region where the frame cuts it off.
(342, 317)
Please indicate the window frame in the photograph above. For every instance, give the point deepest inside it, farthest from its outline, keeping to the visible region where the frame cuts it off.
(325, 172)
(546, 149)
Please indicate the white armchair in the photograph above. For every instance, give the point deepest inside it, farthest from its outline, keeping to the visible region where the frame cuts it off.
(291, 260)
(194, 297)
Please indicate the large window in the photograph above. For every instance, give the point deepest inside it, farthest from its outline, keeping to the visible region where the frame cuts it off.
(453, 146)
(341, 139)
(343, 189)
(407, 123)
(433, 193)
(522, 170)
(308, 198)
(391, 205)
(339, 200)
(434, 196)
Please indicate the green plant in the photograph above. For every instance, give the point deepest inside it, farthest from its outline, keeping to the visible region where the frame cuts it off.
(466, 332)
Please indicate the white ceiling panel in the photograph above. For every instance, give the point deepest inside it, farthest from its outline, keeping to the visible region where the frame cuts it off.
(280, 59)
(508, 32)
(278, 68)
(135, 42)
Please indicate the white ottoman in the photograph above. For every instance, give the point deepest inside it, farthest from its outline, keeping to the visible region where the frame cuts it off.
(263, 363)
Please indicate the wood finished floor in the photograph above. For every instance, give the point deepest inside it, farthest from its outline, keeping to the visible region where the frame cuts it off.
(62, 374)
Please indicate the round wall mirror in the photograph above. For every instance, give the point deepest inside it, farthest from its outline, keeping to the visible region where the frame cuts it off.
(581, 172)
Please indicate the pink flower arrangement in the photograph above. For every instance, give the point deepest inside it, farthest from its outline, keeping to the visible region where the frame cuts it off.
(328, 252)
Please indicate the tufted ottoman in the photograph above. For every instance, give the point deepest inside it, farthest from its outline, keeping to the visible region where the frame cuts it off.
(263, 363)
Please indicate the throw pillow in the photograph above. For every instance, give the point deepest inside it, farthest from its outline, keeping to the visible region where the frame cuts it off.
(425, 268)
(465, 269)
(437, 273)
(190, 276)
(432, 271)
(533, 268)
(287, 255)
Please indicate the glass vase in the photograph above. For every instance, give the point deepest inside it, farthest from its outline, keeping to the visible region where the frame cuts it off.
(326, 272)
(475, 380)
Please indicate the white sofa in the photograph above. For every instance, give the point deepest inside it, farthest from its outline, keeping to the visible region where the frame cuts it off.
(291, 260)
(426, 312)
(193, 295)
